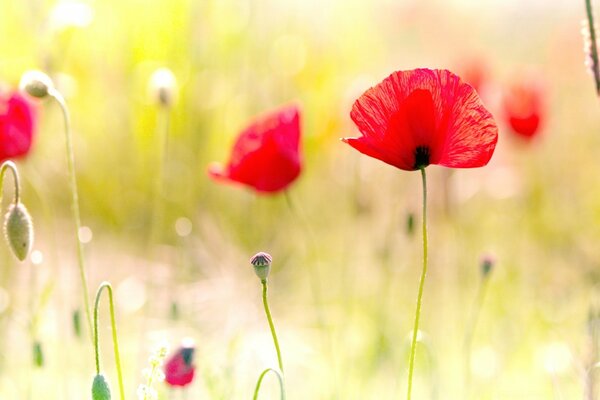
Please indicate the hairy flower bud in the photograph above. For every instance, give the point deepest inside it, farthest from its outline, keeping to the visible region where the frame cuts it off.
(100, 388)
(18, 230)
(487, 264)
(163, 87)
(262, 265)
(36, 84)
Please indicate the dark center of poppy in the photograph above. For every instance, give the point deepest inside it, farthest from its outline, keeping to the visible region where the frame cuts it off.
(188, 354)
(422, 155)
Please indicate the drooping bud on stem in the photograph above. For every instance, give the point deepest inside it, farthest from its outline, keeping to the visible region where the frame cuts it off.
(100, 388)
(36, 84)
(18, 230)
(262, 265)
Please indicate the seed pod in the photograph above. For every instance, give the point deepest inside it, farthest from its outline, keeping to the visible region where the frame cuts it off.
(262, 265)
(36, 84)
(100, 388)
(18, 230)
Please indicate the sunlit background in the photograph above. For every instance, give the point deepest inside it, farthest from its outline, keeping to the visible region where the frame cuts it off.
(346, 266)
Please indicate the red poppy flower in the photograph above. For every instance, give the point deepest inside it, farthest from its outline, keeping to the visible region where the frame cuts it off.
(421, 117)
(523, 108)
(17, 121)
(179, 369)
(266, 155)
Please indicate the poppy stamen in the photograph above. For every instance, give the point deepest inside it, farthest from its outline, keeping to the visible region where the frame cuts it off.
(422, 155)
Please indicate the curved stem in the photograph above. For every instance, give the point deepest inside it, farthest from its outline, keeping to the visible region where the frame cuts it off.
(413, 345)
(593, 46)
(260, 379)
(108, 287)
(13, 169)
(74, 201)
(271, 326)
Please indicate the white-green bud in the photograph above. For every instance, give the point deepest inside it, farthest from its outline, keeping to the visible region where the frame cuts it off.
(262, 265)
(163, 87)
(18, 230)
(36, 84)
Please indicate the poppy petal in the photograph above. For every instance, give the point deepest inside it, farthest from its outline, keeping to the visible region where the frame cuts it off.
(266, 155)
(472, 133)
(423, 116)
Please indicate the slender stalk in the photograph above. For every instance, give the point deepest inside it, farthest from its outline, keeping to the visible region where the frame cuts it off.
(74, 202)
(260, 379)
(271, 326)
(470, 332)
(413, 345)
(159, 182)
(593, 46)
(9, 165)
(108, 287)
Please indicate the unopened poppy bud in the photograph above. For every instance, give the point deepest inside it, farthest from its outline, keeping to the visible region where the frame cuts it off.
(77, 323)
(38, 354)
(487, 264)
(163, 87)
(262, 265)
(18, 230)
(410, 224)
(100, 388)
(36, 84)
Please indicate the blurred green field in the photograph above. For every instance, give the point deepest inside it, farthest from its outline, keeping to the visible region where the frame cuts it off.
(345, 269)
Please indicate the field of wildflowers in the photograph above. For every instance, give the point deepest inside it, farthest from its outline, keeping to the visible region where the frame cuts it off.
(229, 199)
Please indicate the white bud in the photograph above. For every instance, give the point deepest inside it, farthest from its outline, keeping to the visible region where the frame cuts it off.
(36, 84)
(163, 87)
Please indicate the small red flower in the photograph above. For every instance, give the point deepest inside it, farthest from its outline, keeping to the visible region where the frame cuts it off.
(421, 117)
(17, 122)
(266, 155)
(523, 108)
(179, 369)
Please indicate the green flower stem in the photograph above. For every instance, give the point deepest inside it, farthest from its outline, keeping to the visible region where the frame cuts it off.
(594, 49)
(470, 332)
(9, 165)
(108, 287)
(271, 326)
(74, 202)
(413, 345)
(260, 379)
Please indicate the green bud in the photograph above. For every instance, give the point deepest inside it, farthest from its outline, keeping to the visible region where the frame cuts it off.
(77, 322)
(100, 388)
(262, 265)
(38, 354)
(18, 230)
(410, 224)
(487, 264)
(36, 84)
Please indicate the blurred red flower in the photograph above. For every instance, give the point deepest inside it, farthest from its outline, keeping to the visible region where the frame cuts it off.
(523, 108)
(421, 117)
(179, 369)
(17, 122)
(475, 72)
(266, 155)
